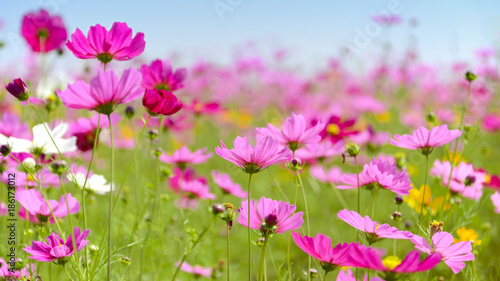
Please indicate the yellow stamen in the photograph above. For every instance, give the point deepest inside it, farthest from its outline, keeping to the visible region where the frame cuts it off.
(391, 262)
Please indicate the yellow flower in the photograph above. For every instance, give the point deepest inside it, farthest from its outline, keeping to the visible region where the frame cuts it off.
(465, 234)
(414, 200)
(383, 117)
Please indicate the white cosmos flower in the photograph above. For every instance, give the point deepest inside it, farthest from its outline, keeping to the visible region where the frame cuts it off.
(95, 183)
(16, 145)
(42, 144)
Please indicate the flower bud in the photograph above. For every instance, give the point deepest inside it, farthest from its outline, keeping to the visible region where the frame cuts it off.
(129, 112)
(5, 150)
(470, 180)
(400, 160)
(153, 134)
(313, 273)
(352, 149)
(228, 215)
(218, 208)
(18, 89)
(431, 117)
(93, 248)
(269, 224)
(125, 260)
(399, 200)
(469, 76)
(435, 227)
(260, 242)
(396, 216)
(29, 163)
(295, 164)
(58, 167)
(157, 153)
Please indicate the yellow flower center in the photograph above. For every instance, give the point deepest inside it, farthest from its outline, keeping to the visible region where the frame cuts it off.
(391, 262)
(333, 129)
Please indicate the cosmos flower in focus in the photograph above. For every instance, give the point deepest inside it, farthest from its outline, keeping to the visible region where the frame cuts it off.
(426, 140)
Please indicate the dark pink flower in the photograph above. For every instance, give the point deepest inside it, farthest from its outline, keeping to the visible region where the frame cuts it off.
(117, 43)
(270, 216)
(336, 129)
(253, 159)
(159, 75)
(161, 102)
(18, 89)
(372, 229)
(57, 249)
(452, 254)
(43, 32)
(228, 186)
(104, 92)
(85, 129)
(491, 123)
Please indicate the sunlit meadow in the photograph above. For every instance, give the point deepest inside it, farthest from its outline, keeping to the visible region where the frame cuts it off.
(135, 169)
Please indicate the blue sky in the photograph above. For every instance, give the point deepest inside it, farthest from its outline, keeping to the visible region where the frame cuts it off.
(312, 30)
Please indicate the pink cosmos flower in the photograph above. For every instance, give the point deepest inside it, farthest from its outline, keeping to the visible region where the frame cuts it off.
(27, 271)
(319, 151)
(426, 140)
(349, 276)
(271, 216)
(11, 126)
(43, 32)
(333, 175)
(336, 129)
(161, 102)
(228, 186)
(464, 179)
(491, 123)
(3, 209)
(196, 270)
(56, 249)
(84, 129)
(117, 43)
(160, 75)
(372, 229)
(294, 133)
(105, 91)
(253, 159)
(320, 248)
(379, 174)
(391, 266)
(193, 191)
(183, 156)
(46, 178)
(453, 255)
(33, 201)
(187, 174)
(495, 198)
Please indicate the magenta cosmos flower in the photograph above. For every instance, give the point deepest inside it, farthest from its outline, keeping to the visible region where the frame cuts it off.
(320, 248)
(117, 43)
(33, 201)
(294, 133)
(379, 174)
(336, 129)
(56, 249)
(85, 129)
(43, 32)
(374, 231)
(253, 159)
(391, 266)
(270, 216)
(196, 270)
(18, 89)
(453, 255)
(426, 140)
(105, 91)
(227, 185)
(161, 102)
(160, 75)
(183, 156)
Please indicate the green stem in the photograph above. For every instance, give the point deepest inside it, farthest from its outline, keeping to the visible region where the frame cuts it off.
(297, 174)
(249, 231)
(263, 258)
(227, 246)
(423, 195)
(66, 270)
(110, 194)
(188, 251)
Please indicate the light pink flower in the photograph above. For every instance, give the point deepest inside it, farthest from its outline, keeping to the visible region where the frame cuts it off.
(46, 178)
(43, 32)
(33, 201)
(159, 75)
(424, 139)
(349, 276)
(183, 156)
(319, 151)
(253, 159)
(27, 271)
(333, 175)
(11, 126)
(294, 133)
(270, 216)
(464, 179)
(57, 249)
(3, 209)
(228, 186)
(495, 198)
(105, 91)
(117, 43)
(196, 270)
(193, 191)
(379, 174)
(372, 229)
(453, 255)
(187, 174)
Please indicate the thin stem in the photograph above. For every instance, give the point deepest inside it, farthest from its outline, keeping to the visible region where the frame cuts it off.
(423, 195)
(297, 174)
(249, 231)
(263, 258)
(227, 246)
(326, 273)
(66, 270)
(110, 194)
(188, 251)
(357, 232)
(337, 192)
